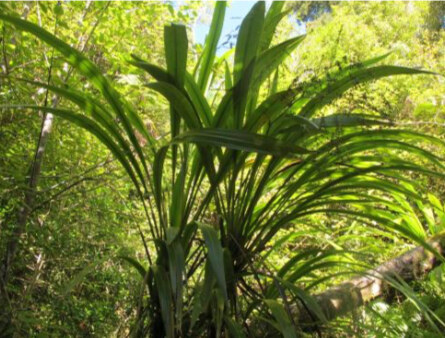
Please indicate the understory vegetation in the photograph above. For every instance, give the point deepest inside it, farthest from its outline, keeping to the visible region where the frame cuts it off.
(265, 183)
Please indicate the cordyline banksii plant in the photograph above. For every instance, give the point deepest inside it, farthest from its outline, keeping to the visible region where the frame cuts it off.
(232, 175)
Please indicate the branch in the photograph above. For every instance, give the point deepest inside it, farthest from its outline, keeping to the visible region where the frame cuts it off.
(349, 295)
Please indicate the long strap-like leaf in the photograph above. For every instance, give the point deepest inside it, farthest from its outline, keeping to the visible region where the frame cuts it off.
(211, 43)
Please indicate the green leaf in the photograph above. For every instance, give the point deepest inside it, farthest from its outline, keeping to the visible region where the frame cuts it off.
(223, 115)
(274, 86)
(177, 203)
(309, 301)
(244, 63)
(215, 255)
(348, 120)
(176, 46)
(138, 266)
(273, 17)
(280, 315)
(180, 103)
(435, 202)
(266, 63)
(248, 39)
(363, 64)
(335, 89)
(211, 43)
(158, 73)
(217, 308)
(176, 266)
(203, 294)
(165, 298)
(269, 60)
(240, 140)
(227, 76)
(158, 170)
(198, 100)
(269, 109)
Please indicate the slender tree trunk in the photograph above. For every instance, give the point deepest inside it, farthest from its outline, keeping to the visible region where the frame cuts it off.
(347, 296)
(23, 213)
(34, 173)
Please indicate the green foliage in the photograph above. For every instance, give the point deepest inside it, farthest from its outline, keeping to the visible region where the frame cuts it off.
(351, 32)
(244, 169)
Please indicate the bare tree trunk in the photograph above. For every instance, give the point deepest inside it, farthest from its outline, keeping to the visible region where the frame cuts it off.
(354, 293)
(28, 203)
(30, 192)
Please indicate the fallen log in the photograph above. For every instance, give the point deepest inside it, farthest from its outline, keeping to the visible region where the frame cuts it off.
(350, 295)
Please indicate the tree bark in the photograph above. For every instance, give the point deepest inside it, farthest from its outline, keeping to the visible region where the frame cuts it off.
(349, 295)
(25, 210)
